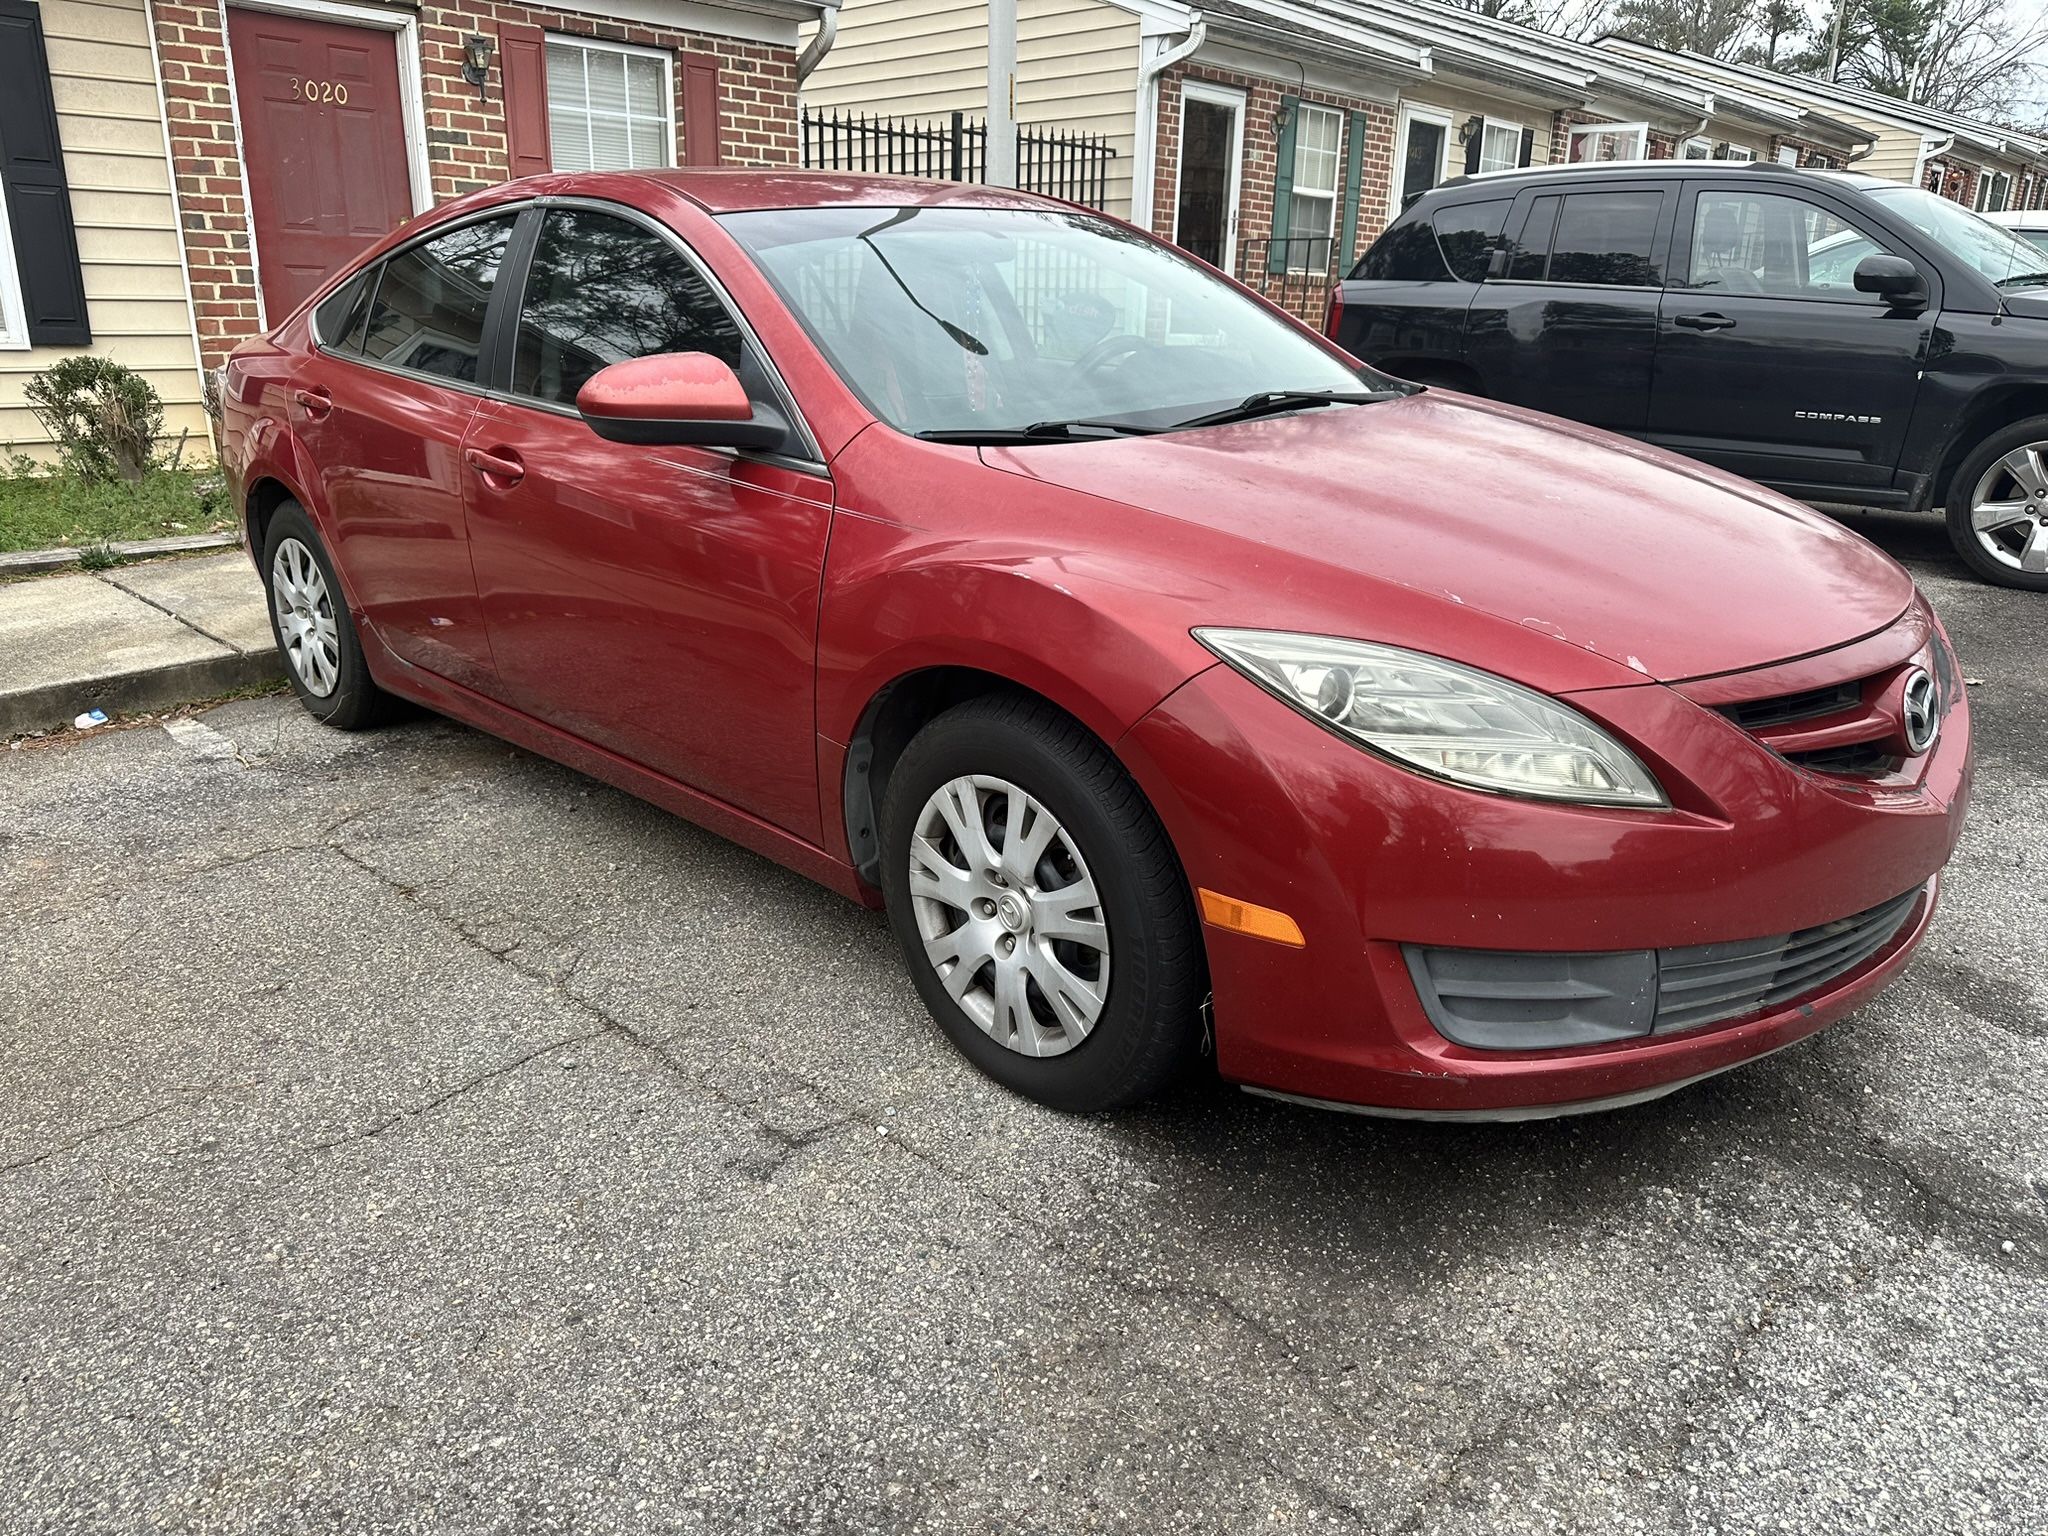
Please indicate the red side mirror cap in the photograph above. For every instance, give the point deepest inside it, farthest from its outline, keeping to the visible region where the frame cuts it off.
(676, 397)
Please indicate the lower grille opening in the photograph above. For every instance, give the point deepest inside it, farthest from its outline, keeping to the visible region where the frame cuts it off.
(1861, 760)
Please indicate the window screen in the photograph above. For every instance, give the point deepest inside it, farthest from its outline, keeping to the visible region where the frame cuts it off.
(602, 290)
(429, 310)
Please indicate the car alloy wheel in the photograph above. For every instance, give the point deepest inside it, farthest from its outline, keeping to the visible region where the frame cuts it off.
(2009, 509)
(305, 617)
(1010, 916)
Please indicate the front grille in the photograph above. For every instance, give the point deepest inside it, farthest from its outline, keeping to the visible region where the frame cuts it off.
(1515, 1000)
(1759, 714)
(1706, 983)
(1863, 760)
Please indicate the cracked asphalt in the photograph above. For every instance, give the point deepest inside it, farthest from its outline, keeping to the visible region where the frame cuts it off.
(403, 1134)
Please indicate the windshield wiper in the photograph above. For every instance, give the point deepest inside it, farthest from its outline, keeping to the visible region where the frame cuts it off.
(2019, 279)
(1268, 402)
(1078, 431)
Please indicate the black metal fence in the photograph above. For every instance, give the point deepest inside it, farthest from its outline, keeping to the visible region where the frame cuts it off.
(1295, 271)
(1054, 162)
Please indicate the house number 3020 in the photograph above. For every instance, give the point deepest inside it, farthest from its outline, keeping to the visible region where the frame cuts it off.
(320, 90)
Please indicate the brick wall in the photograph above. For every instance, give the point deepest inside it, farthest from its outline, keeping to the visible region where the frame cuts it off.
(1258, 177)
(465, 137)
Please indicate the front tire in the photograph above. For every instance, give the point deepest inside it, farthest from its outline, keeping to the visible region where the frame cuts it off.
(1040, 908)
(309, 619)
(1998, 507)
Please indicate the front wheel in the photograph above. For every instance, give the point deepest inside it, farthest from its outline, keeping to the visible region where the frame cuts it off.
(1998, 507)
(1043, 915)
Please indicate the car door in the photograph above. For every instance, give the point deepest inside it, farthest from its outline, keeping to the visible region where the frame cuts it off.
(659, 602)
(1566, 320)
(1769, 362)
(382, 411)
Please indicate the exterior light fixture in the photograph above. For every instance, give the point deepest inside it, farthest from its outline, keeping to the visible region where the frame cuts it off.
(476, 62)
(1282, 116)
(1469, 129)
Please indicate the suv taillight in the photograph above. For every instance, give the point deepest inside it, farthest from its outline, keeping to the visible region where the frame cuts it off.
(1335, 317)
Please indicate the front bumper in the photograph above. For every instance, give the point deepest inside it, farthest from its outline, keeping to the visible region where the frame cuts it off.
(1265, 806)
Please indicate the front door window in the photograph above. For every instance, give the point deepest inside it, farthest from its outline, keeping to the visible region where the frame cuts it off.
(1208, 142)
(1422, 162)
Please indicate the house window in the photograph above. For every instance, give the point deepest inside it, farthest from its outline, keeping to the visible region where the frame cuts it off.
(13, 314)
(1312, 212)
(1500, 145)
(1788, 154)
(1609, 141)
(610, 107)
(1993, 191)
(1737, 153)
(1696, 149)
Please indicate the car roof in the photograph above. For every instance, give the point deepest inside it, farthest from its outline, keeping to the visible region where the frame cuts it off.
(739, 191)
(1710, 169)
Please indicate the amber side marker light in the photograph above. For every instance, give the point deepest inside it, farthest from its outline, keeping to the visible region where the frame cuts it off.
(1220, 911)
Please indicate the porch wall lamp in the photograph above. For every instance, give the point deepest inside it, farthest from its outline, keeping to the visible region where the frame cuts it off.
(1282, 116)
(1469, 129)
(476, 62)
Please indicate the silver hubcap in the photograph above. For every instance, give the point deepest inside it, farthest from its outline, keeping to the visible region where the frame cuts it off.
(1009, 915)
(305, 617)
(2009, 510)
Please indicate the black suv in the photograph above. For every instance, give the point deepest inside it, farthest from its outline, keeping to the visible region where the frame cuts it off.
(1837, 337)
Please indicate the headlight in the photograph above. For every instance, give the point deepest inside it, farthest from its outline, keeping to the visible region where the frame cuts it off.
(1440, 718)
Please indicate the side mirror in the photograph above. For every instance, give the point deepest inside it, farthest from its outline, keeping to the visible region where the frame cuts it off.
(1894, 278)
(677, 397)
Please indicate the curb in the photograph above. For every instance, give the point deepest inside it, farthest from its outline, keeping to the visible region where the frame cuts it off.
(54, 707)
(23, 562)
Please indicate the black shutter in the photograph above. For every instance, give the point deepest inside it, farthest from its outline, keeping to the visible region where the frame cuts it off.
(1474, 145)
(32, 176)
(1528, 146)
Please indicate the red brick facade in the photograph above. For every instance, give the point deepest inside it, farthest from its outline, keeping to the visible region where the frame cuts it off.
(465, 148)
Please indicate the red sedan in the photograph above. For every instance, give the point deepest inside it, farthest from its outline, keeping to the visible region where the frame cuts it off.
(1170, 677)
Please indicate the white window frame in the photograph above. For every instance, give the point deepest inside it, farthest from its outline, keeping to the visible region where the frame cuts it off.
(1513, 130)
(1701, 142)
(1739, 154)
(1409, 115)
(1585, 130)
(590, 45)
(13, 312)
(1330, 197)
(1985, 179)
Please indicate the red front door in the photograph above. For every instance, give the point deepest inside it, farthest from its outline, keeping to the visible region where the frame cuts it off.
(323, 142)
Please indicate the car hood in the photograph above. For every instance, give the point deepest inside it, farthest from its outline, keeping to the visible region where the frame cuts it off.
(1662, 565)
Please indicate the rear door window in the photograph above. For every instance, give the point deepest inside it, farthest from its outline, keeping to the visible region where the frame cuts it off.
(1468, 233)
(603, 289)
(1531, 259)
(428, 315)
(1608, 238)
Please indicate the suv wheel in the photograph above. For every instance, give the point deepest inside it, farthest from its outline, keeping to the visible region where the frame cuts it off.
(1040, 908)
(1998, 507)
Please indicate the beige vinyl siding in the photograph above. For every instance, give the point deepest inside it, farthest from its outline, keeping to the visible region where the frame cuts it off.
(1077, 68)
(109, 117)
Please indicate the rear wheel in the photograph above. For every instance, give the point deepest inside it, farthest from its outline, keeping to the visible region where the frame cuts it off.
(1998, 507)
(323, 658)
(1039, 906)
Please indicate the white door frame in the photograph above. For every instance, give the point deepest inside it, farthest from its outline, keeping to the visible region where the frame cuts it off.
(1231, 100)
(411, 100)
(1413, 112)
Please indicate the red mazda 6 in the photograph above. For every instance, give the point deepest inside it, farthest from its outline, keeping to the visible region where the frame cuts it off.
(1170, 677)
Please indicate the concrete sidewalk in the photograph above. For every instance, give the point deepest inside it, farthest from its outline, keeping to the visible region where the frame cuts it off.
(137, 637)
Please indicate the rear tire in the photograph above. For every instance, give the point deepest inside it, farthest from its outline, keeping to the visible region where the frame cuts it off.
(1076, 981)
(310, 621)
(1998, 507)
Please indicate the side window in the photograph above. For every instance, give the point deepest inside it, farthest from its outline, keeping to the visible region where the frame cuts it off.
(1406, 252)
(1467, 235)
(429, 309)
(338, 319)
(1770, 243)
(1532, 246)
(1607, 238)
(602, 290)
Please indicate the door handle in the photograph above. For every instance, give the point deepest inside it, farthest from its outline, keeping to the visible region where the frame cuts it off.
(1707, 322)
(496, 466)
(314, 402)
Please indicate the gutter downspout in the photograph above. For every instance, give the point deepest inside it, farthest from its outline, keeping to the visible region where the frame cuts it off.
(820, 45)
(1927, 152)
(1144, 194)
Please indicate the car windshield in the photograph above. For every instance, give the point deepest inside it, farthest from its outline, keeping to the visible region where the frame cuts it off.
(954, 321)
(1995, 252)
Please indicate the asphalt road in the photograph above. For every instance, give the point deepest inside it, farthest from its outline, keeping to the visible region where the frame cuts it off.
(400, 1133)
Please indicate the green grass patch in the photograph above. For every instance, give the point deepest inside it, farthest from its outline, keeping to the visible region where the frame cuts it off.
(50, 511)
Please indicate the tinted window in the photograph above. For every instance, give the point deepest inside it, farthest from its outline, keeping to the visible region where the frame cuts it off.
(429, 309)
(1606, 237)
(1405, 253)
(1468, 234)
(1532, 249)
(1761, 242)
(603, 290)
(339, 318)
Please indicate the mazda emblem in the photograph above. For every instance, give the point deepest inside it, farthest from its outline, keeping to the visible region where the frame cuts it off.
(1916, 713)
